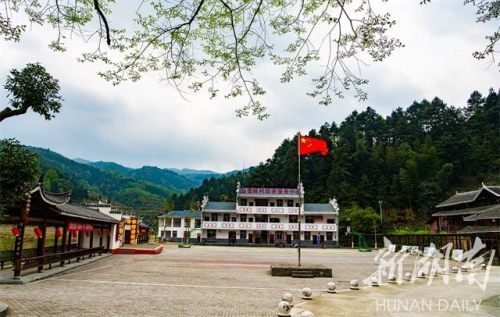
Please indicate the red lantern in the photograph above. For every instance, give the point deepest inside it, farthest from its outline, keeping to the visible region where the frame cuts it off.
(58, 233)
(99, 232)
(73, 233)
(108, 232)
(15, 231)
(38, 232)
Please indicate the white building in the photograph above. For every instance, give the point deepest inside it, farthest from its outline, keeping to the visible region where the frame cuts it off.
(269, 216)
(179, 224)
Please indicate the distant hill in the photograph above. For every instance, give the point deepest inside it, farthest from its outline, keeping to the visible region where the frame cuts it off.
(91, 183)
(182, 179)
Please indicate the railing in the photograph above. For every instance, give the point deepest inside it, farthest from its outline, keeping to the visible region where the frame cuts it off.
(267, 210)
(60, 257)
(268, 226)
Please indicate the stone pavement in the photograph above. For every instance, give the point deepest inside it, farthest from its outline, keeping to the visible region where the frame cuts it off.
(199, 281)
(418, 299)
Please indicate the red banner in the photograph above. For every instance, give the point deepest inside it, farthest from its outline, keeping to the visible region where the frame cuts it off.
(78, 226)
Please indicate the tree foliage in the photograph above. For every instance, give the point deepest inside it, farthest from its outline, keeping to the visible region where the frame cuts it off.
(215, 44)
(31, 88)
(410, 160)
(19, 172)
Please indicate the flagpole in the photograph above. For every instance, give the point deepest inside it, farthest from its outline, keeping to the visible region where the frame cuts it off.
(300, 196)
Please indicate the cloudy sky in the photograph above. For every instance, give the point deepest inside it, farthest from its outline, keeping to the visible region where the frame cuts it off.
(148, 123)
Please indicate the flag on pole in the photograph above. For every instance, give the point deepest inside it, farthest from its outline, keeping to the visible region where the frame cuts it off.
(308, 145)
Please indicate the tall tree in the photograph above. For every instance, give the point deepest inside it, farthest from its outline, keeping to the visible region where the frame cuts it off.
(31, 88)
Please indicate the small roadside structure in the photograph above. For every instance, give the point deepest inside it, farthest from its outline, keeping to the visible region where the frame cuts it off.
(83, 231)
(180, 225)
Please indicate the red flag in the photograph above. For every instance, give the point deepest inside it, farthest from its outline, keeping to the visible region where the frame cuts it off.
(308, 145)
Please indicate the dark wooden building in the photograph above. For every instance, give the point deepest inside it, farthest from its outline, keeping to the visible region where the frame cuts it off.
(79, 231)
(476, 211)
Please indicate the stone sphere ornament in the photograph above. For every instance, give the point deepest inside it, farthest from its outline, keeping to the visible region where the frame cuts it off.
(306, 293)
(331, 287)
(374, 282)
(306, 313)
(287, 297)
(392, 279)
(421, 274)
(483, 266)
(354, 285)
(407, 276)
(454, 270)
(284, 308)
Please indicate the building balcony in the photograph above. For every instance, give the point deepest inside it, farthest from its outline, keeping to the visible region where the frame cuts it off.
(257, 210)
(268, 226)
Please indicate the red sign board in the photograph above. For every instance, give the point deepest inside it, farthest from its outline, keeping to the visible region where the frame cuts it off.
(78, 226)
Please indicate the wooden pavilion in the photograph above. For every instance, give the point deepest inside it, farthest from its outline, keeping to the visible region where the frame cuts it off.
(85, 232)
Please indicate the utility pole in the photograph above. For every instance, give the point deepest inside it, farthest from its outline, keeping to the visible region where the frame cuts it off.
(380, 208)
(375, 228)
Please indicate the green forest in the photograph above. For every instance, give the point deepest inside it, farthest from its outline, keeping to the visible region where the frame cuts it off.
(410, 160)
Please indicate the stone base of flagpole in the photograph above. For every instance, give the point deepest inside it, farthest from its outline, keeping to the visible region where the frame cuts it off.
(303, 271)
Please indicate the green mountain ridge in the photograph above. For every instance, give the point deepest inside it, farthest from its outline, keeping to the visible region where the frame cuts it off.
(91, 183)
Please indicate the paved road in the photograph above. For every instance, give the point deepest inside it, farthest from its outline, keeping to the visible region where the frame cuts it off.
(201, 281)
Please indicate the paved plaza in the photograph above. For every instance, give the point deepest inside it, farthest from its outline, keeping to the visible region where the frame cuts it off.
(200, 281)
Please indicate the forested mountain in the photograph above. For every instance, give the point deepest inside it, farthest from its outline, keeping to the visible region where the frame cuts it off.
(162, 177)
(409, 160)
(90, 183)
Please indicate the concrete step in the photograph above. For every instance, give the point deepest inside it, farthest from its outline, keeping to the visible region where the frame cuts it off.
(302, 274)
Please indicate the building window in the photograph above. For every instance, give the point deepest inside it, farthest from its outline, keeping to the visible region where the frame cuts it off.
(243, 234)
(293, 219)
(296, 204)
(261, 202)
(215, 217)
(330, 221)
(226, 217)
(174, 234)
(211, 234)
(309, 219)
(243, 202)
(329, 236)
(250, 219)
(233, 219)
(197, 223)
(272, 204)
(187, 223)
(274, 220)
(289, 203)
(295, 235)
(261, 218)
(177, 222)
(307, 236)
(250, 203)
(279, 203)
(279, 235)
(206, 218)
(243, 218)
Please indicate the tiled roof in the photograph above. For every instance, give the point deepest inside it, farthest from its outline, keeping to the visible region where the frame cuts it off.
(493, 212)
(467, 197)
(318, 208)
(182, 214)
(220, 205)
(83, 213)
(461, 212)
(59, 204)
(472, 229)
